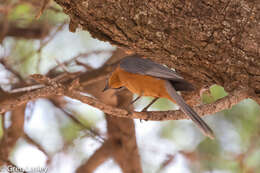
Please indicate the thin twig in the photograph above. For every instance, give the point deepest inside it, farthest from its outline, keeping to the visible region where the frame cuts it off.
(65, 63)
(43, 7)
(38, 146)
(90, 131)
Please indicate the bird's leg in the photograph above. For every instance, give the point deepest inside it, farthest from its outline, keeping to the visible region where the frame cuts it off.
(150, 104)
(137, 98)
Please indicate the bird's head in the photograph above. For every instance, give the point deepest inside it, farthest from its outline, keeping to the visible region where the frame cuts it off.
(113, 82)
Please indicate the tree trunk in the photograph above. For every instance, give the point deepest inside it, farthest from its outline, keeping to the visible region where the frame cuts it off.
(208, 42)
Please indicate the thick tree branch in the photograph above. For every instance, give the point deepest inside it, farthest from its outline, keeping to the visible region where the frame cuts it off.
(122, 132)
(202, 40)
(12, 134)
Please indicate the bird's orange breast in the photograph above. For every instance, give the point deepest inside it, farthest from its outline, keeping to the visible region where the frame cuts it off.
(142, 84)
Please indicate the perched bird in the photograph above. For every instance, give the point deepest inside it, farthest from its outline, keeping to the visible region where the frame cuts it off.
(147, 78)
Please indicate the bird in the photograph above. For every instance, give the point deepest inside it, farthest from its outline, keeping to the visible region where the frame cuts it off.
(145, 77)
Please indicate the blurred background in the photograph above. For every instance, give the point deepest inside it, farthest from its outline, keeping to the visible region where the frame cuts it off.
(55, 139)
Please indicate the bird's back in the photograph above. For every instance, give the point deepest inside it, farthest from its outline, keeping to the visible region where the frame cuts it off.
(136, 65)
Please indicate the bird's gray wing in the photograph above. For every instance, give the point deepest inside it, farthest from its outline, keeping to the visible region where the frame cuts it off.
(136, 64)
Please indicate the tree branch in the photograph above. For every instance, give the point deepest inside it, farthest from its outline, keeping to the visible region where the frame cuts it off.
(29, 32)
(206, 109)
(70, 90)
(99, 157)
(121, 131)
(12, 134)
(204, 41)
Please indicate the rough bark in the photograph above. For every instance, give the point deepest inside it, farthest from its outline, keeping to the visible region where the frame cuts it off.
(209, 42)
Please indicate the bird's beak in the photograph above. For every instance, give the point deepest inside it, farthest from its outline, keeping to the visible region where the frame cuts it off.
(106, 87)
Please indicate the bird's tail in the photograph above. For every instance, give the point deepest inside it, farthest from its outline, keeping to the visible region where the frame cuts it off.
(189, 111)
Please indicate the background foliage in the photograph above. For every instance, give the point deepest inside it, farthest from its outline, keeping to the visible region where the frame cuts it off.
(53, 139)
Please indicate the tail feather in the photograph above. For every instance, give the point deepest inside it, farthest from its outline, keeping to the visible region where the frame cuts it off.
(189, 111)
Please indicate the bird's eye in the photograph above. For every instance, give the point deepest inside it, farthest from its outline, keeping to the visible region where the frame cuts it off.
(119, 88)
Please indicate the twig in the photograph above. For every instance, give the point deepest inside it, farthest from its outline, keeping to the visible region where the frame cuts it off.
(87, 67)
(65, 63)
(90, 131)
(10, 69)
(36, 4)
(166, 162)
(43, 7)
(38, 146)
(27, 89)
(60, 78)
(59, 28)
